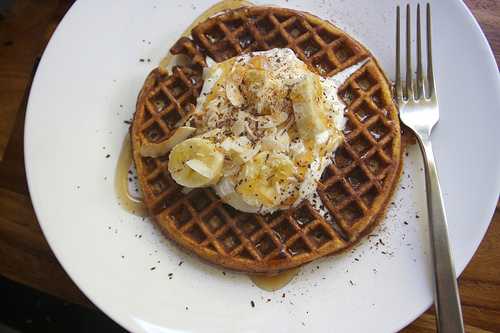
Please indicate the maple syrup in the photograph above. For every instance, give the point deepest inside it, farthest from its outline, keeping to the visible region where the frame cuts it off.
(126, 199)
(273, 282)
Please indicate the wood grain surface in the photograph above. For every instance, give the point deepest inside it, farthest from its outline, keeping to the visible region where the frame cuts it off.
(26, 257)
(21, 37)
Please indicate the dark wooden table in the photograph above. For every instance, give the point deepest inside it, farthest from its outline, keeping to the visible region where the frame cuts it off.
(25, 256)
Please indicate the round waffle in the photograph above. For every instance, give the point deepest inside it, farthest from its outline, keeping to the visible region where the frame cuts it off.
(355, 190)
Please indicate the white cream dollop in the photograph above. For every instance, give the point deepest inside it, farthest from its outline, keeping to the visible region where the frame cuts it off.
(265, 110)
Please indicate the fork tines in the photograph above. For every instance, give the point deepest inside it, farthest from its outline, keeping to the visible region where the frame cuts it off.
(424, 83)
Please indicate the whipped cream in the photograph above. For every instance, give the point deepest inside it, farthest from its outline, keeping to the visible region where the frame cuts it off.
(277, 124)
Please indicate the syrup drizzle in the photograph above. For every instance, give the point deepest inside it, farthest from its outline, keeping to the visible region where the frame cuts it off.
(273, 282)
(126, 199)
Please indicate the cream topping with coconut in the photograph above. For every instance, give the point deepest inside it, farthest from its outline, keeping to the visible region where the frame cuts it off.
(265, 128)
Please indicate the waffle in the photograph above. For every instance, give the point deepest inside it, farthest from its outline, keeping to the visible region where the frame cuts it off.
(355, 190)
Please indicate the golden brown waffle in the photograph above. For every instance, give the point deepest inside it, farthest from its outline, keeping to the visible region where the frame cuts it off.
(356, 189)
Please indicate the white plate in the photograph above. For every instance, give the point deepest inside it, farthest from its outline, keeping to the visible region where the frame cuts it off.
(86, 87)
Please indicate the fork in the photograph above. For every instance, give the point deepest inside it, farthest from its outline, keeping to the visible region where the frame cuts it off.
(418, 109)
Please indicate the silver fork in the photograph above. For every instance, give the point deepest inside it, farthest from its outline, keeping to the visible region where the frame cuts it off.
(418, 109)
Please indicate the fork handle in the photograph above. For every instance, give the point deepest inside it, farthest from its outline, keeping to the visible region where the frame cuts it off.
(446, 296)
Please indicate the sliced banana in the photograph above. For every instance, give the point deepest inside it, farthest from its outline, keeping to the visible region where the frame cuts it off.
(308, 107)
(225, 190)
(267, 180)
(196, 162)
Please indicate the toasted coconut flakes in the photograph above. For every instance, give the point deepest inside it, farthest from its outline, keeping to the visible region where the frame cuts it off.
(252, 114)
(272, 144)
(238, 127)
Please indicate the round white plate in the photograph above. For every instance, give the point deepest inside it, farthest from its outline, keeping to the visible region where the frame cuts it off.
(86, 87)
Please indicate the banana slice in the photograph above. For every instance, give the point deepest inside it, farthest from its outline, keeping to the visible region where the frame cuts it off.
(267, 180)
(225, 190)
(196, 162)
(308, 108)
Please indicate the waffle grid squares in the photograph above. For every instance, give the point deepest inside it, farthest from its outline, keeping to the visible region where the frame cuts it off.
(168, 103)
(366, 166)
(324, 50)
(252, 231)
